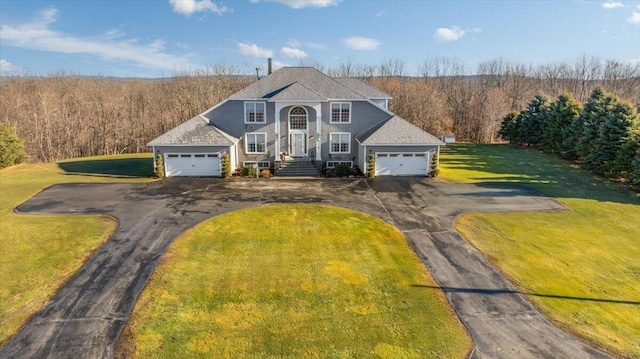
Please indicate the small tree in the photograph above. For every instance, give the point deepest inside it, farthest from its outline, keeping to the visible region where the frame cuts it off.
(634, 174)
(433, 169)
(11, 147)
(510, 127)
(371, 166)
(594, 114)
(226, 166)
(159, 169)
(534, 121)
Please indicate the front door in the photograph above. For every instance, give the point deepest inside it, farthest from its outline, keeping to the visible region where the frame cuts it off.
(298, 144)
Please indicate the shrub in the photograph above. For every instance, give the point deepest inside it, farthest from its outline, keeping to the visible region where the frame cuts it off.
(371, 165)
(226, 166)
(11, 147)
(159, 169)
(342, 170)
(433, 169)
(249, 171)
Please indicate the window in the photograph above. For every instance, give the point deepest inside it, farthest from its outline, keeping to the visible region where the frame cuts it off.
(261, 164)
(172, 156)
(256, 142)
(340, 112)
(254, 112)
(298, 119)
(333, 164)
(339, 142)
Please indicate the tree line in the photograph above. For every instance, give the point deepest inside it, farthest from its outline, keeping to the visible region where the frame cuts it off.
(64, 116)
(603, 135)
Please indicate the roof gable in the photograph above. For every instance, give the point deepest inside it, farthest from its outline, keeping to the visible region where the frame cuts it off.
(297, 91)
(314, 80)
(196, 131)
(397, 131)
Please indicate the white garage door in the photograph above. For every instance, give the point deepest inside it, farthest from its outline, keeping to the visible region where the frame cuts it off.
(192, 164)
(402, 164)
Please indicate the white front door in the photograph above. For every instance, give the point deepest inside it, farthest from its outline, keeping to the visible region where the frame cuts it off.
(298, 144)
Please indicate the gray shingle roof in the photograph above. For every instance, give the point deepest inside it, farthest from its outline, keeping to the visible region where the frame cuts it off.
(273, 84)
(298, 91)
(397, 131)
(362, 87)
(196, 131)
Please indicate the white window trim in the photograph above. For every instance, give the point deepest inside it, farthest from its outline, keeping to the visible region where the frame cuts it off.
(333, 164)
(306, 119)
(246, 142)
(331, 151)
(331, 111)
(246, 120)
(259, 163)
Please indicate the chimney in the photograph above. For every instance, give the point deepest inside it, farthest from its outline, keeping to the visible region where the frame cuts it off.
(257, 73)
(269, 66)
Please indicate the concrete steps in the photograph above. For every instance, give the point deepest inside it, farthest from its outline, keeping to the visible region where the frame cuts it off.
(298, 168)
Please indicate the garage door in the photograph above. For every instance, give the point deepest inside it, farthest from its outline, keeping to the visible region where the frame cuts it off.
(192, 164)
(402, 164)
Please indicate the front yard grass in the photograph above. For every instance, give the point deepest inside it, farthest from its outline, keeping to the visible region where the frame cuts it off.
(580, 267)
(292, 281)
(40, 253)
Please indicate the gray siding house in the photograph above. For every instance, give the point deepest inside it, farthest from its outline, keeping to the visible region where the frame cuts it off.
(298, 114)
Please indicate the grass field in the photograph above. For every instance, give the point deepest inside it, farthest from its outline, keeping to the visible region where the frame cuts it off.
(580, 267)
(292, 281)
(40, 252)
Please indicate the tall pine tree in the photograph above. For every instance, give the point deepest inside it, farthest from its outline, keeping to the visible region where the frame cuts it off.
(594, 114)
(534, 121)
(562, 113)
(510, 127)
(615, 145)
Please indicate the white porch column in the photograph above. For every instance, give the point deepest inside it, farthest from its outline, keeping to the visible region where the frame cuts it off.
(318, 109)
(278, 107)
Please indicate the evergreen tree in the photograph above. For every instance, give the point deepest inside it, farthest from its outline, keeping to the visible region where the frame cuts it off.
(11, 147)
(572, 135)
(562, 113)
(534, 121)
(617, 132)
(510, 127)
(634, 173)
(594, 114)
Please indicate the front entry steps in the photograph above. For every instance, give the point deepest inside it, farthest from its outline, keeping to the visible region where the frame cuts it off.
(297, 167)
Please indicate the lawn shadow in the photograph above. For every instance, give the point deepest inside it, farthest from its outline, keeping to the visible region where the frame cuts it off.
(120, 168)
(553, 176)
(509, 291)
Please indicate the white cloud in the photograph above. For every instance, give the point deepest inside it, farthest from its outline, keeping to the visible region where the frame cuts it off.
(610, 4)
(300, 4)
(361, 43)
(635, 17)
(381, 13)
(253, 50)
(278, 64)
(111, 46)
(444, 34)
(7, 69)
(292, 52)
(188, 7)
(300, 44)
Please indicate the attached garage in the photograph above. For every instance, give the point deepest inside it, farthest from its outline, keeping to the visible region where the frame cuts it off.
(192, 164)
(402, 163)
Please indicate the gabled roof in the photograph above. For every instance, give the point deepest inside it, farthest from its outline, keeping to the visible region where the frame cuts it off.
(314, 80)
(397, 131)
(196, 131)
(362, 88)
(297, 92)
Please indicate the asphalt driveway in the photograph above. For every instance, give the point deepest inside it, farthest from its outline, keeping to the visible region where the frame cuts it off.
(86, 316)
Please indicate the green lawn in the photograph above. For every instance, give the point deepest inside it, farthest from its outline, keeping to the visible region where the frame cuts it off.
(292, 281)
(581, 267)
(40, 252)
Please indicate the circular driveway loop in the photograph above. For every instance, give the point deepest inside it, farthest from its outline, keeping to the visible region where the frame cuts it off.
(85, 317)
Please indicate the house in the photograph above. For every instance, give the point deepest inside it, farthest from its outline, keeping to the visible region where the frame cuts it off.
(298, 114)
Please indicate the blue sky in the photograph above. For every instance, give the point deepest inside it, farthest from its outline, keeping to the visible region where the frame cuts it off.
(164, 37)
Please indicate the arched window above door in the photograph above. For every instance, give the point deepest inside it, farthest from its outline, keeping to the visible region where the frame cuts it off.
(298, 118)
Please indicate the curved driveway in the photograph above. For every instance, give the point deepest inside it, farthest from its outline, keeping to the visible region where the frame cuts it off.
(86, 316)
